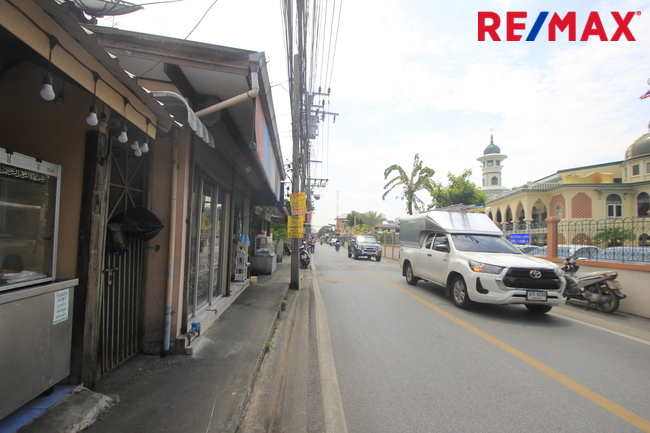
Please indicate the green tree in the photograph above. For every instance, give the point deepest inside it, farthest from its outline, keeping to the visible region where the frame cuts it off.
(361, 229)
(325, 230)
(459, 190)
(279, 232)
(372, 219)
(613, 237)
(421, 178)
(354, 218)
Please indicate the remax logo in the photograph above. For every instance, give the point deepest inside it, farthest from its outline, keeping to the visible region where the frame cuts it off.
(515, 25)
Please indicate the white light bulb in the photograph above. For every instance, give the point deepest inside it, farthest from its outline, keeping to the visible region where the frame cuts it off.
(92, 119)
(138, 152)
(135, 145)
(103, 121)
(123, 138)
(47, 92)
(145, 147)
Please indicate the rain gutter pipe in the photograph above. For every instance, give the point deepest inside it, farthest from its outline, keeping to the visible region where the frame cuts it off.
(172, 245)
(253, 92)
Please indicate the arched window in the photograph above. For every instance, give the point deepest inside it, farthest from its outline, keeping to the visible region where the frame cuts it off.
(643, 204)
(614, 206)
(558, 211)
(495, 180)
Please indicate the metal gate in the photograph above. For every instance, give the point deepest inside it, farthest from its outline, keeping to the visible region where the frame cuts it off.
(121, 291)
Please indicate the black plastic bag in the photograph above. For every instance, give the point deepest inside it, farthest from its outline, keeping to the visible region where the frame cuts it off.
(142, 223)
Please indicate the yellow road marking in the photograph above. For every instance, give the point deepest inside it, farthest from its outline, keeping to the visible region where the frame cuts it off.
(619, 411)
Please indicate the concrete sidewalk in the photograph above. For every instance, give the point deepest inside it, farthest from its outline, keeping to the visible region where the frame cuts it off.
(205, 392)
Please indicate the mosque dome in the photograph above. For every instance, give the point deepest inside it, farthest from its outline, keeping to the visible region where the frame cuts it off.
(638, 148)
(492, 148)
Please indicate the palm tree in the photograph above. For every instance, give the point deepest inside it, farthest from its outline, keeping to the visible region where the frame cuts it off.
(420, 179)
(372, 219)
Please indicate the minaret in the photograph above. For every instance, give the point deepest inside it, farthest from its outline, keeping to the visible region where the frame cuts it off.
(491, 166)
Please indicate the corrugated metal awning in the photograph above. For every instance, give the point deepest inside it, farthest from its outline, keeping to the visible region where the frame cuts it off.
(176, 105)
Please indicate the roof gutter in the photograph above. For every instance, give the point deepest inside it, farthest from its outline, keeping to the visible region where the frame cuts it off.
(253, 92)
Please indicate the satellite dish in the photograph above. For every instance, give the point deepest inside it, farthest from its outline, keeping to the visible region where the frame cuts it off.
(101, 8)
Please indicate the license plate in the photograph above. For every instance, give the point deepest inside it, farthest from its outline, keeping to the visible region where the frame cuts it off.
(536, 296)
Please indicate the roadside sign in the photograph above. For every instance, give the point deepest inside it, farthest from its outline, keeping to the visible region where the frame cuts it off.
(298, 203)
(295, 226)
(520, 238)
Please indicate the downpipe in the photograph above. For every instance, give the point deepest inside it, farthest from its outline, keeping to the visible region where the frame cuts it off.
(172, 248)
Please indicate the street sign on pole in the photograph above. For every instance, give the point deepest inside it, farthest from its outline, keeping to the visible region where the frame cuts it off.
(295, 226)
(298, 203)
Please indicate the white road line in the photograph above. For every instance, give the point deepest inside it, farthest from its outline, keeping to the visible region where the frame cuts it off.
(332, 404)
(620, 334)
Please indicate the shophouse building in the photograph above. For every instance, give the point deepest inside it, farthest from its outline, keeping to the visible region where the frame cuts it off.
(134, 171)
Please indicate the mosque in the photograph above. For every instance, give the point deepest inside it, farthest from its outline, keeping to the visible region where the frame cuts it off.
(618, 189)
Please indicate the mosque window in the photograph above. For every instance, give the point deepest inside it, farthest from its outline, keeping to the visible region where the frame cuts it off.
(490, 163)
(643, 204)
(498, 162)
(495, 180)
(647, 167)
(614, 206)
(635, 170)
(558, 211)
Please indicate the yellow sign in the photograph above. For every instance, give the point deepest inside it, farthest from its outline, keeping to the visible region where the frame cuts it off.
(298, 203)
(295, 226)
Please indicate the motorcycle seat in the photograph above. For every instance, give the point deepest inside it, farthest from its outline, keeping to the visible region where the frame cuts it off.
(596, 274)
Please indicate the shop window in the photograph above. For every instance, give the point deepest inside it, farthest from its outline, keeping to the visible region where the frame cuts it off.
(614, 206)
(643, 204)
(206, 247)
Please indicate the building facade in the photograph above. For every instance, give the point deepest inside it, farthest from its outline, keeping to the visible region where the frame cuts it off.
(614, 190)
(162, 180)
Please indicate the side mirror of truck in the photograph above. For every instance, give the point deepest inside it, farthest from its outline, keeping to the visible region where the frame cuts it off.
(443, 248)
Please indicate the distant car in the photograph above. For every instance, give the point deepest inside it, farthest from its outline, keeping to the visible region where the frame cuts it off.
(625, 254)
(584, 252)
(364, 245)
(526, 248)
(333, 241)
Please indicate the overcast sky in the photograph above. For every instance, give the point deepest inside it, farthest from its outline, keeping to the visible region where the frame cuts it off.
(410, 76)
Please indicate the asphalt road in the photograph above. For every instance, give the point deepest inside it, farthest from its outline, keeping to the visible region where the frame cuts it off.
(405, 359)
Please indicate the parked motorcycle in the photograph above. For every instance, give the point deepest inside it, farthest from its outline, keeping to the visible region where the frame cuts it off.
(287, 248)
(304, 257)
(598, 288)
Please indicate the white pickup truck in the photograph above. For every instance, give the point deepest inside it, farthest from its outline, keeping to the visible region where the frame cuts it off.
(467, 254)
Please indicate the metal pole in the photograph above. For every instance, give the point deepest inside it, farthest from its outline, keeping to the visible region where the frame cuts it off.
(295, 183)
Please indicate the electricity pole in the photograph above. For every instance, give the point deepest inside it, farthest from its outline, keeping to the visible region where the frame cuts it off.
(295, 182)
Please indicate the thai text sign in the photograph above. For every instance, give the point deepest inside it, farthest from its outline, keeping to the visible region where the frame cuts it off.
(295, 226)
(298, 203)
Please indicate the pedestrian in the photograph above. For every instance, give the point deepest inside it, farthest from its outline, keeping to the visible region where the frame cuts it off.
(312, 243)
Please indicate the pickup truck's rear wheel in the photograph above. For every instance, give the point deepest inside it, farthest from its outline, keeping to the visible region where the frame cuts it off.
(539, 309)
(410, 278)
(459, 293)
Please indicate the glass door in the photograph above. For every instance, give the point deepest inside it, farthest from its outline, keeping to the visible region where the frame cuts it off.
(205, 254)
